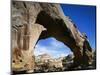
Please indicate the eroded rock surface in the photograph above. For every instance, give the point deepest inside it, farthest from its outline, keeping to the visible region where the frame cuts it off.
(34, 21)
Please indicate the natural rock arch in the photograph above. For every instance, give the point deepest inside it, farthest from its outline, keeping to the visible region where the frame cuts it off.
(34, 21)
(57, 28)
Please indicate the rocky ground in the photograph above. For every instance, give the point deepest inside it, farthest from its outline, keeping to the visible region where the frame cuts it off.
(53, 69)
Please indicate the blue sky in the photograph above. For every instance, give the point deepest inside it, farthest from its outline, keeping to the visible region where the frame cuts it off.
(52, 47)
(85, 20)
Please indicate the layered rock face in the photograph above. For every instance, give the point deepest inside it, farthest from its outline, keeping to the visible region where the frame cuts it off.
(35, 21)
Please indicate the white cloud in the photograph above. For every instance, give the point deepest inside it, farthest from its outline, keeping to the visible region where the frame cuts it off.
(54, 53)
(42, 50)
(55, 49)
(56, 43)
